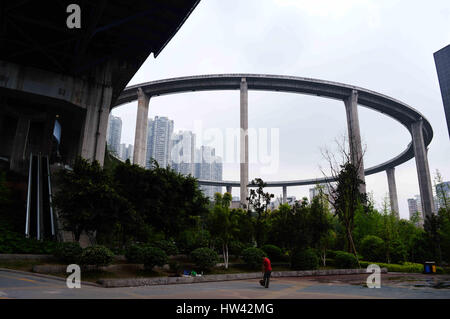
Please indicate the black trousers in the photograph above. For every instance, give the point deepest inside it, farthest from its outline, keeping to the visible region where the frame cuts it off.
(267, 278)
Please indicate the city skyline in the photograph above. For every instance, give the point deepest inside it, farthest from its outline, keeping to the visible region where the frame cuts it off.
(175, 149)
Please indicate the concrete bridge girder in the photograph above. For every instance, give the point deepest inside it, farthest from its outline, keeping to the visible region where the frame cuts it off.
(57, 94)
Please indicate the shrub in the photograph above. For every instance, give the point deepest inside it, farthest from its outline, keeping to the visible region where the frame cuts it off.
(372, 248)
(96, 255)
(397, 252)
(253, 257)
(236, 247)
(190, 240)
(175, 267)
(153, 256)
(204, 258)
(168, 246)
(133, 254)
(69, 252)
(331, 254)
(405, 267)
(15, 243)
(274, 252)
(304, 259)
(344, 260)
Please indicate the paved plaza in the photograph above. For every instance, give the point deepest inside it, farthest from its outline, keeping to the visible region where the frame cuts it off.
(409, 286)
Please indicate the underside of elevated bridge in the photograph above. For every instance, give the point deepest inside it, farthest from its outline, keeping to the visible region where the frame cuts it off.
(52, 73)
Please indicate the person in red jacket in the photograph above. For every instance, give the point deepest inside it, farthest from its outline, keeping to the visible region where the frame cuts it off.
(267, 270)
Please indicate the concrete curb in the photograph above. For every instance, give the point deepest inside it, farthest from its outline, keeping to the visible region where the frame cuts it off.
(53, 269)
(27, 273)
(18, 257)
(135, 282)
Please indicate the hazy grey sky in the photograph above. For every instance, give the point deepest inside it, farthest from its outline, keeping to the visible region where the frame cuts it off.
(383, 45)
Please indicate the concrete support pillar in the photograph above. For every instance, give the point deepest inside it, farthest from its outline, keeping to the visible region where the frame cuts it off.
(244, 143)
(423, 171)
(392, 191)
(140, 138)
(20, 143)
(95, 125)
(229, 189)
(354, 136)
(102, 127)
(284, 194)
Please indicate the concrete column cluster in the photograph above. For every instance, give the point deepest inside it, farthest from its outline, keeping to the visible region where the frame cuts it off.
(140, 138)
(284, 194)
(244, 143)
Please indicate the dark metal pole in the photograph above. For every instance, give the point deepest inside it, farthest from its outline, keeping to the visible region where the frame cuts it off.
(50, 203)
(38, 202)
(27, 221)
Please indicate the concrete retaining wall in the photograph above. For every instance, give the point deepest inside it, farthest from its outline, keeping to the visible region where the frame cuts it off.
(114, 283)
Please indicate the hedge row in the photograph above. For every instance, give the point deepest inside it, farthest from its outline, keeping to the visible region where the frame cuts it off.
(15, 243)
(72, 253)
(405, 267)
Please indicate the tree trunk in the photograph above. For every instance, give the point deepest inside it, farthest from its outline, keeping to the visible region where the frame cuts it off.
(353, 245)
(226, 251)
(324, 258)
(225, 255)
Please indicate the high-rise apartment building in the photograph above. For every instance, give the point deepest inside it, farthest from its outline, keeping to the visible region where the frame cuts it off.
(114, 133)
(442, 195)
(158, 141)
(208, 167)
(313, 192)
(414, 206)
(182, 154)
(442, 60)
(126, 152)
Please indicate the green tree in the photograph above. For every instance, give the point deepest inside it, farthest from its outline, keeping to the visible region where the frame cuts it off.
(389, 231)
(281, 227)
(165, 199)
(347, 199)
(258, 202)
(87, 201)
(432, 226)
(245, 231)
(222, 224)
(441, 191)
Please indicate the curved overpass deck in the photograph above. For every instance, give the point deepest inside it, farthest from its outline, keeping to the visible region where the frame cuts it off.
(397, 110)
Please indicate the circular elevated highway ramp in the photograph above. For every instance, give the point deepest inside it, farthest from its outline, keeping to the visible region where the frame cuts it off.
(397, 110)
